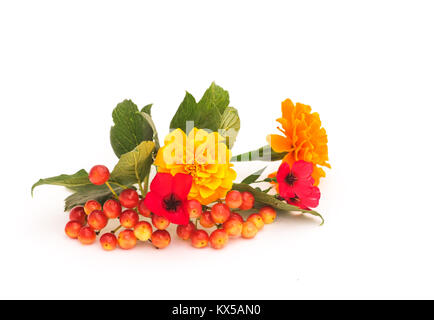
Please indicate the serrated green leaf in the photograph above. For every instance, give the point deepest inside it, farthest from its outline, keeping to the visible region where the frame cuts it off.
(266, 199)
(71, 181)
(254, 176)
(186, 112)
(230, 126)
(148, 118)
(264, 153)
(147, 109)
(134, 166)
(129, 129)
(90, 192)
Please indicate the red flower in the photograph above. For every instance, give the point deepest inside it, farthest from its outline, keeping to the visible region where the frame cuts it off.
(168, 195)
(296, 184)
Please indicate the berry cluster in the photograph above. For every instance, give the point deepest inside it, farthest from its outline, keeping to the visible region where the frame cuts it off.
(87, 222)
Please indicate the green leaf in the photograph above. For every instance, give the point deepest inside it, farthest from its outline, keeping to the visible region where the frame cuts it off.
(90, 192)
(264, 153)
(269, 200)
(186, 112)
(129, 129)
(229, 126)
(206, 114)
(71, 181)
(147, 109)
(148, 119)
(253, 177)
(134, 166)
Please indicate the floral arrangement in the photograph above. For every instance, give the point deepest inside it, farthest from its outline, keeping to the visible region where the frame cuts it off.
(194, 186)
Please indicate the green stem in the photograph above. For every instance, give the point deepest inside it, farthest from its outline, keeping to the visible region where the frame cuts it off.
(116, 229)
(111, 189)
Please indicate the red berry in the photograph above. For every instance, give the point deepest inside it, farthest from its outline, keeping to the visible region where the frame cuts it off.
(143, 231)
(199, 239)
(129, 218)
(127, 239)
(194, 208)
(233, 227)
(184, 232)
(72, 229)
(108, 241)
(248, 200)
(234, 199)
(268, 214)
(112, 209)
(91, 205)
(86, 235)
(220, 212)
(218, 239)
(237, 216)
(143, 209)
(78, 214)
(97, 220)
(206, 220)
(99, 175)
(257, 220)
(129, 198)
(160, 239)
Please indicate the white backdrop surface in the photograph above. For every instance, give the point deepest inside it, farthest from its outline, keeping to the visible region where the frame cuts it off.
(366, 66)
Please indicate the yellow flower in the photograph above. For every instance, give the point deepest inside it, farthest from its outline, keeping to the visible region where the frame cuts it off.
(304, 138)
(204, 156)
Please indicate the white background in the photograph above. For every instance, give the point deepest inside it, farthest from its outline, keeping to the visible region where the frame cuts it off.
(367, 68)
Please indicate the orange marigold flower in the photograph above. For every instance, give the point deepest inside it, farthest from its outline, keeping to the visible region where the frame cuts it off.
(304, 138)
(204, 156)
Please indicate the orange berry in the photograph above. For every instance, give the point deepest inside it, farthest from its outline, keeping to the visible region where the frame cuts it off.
(257, 220)
(99, 175)
(268, 214)
(199, 239)
(237, 216)
(112, 209)
(91, 205)
(86, 235)
(97, 220)
(184, 232)
(206, 220)
(234, 199)
(160, 239)
(218, 239)
(72, 229)
(194, 208)
(143, 230)
(160, 222)
(126, 239)
(220, 213)
(233, 227)
(108, 241)
(129, 218)
(248, 200)
(249, 230)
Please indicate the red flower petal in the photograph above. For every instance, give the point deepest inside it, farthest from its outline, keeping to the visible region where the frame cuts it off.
(179, 217)
(162, 184)
(282, 173)
(181, 185)
(154, 202)
(311, 200)
(302, 169)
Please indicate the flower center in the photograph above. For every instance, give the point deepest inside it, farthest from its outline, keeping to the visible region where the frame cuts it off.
(290, 179)
(294, 199)
(171, 203)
